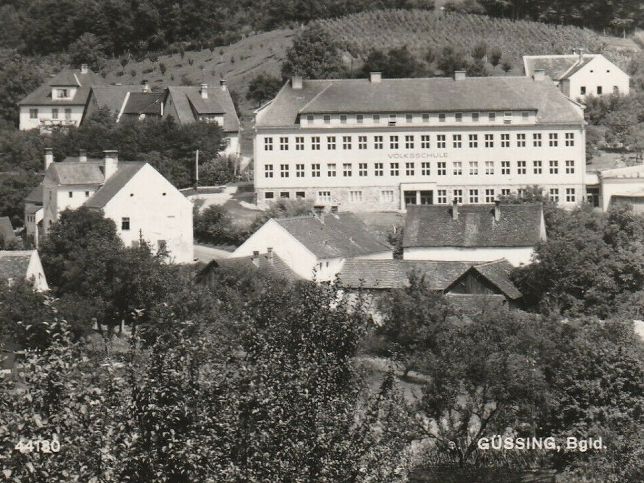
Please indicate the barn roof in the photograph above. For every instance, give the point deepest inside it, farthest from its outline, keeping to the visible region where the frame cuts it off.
(14, 264)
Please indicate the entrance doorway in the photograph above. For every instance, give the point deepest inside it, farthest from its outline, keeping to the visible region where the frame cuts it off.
(418, 197)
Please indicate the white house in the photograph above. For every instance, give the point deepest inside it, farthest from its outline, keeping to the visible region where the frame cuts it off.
(579, 75)
(473, 232)
(23, 265)
(618, 186)
(140, 201)
(60, 102)
(315, 246)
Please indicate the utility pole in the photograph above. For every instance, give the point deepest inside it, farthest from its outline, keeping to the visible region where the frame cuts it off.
(197, 169)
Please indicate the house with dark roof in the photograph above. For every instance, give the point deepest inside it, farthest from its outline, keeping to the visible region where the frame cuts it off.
(127, 101)
(142, 203)
(473, 232)
(23, 265)
(190, 104)
(579, 75)
(59, 102)
(315, 246)
(7, 235)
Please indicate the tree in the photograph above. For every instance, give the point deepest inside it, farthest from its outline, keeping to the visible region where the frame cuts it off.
(313, 55)
(282, 208)
(451, 60)
(263, 88)
(18, 77)
(214, 225)
(479, 51)
(87, 49)
(495, 55)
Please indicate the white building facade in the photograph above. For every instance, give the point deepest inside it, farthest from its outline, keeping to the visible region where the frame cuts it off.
(377, 144)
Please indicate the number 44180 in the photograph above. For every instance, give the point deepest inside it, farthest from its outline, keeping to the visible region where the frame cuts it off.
(39, 446)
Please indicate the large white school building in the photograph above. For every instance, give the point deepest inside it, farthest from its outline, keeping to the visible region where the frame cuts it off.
(382, 144)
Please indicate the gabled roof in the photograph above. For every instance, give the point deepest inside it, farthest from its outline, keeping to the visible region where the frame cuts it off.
(35, 196)
(187, 101)
(519, 225)
(125, 172)
(66, 78)
(14, 264)
(71, 172)
(438, 275)
(145, 103)
(112, 97)
(557, 67)
(334, 235)
(6, 229)
(275, 266)
(419, 95)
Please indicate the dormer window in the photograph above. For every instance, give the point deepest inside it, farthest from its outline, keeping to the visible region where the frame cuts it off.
(441, 117)
(392, 119)
(62, 93)
(507, 117)
(343, 118)
(491, 116)
(309, 118)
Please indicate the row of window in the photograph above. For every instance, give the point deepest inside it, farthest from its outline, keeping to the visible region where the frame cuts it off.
(600, 90)
(410, 141)
(393, 119)
(33, 113)
(410, 168)
(443, 196)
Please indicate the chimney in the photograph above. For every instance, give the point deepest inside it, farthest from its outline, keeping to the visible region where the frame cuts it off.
(269, 255)
(375, 77)
(82, 156)
(296, 82)
(222, 85)
(110, 162)
(255, 258)
(84, 69)
(145, 87)
(203, 90)
(49, 157)
(454, 210)
(459, 75)
(539, 75)
(497, 210)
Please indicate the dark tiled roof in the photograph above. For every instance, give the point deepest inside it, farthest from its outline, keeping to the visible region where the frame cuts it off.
(277, 267)
(112, 97)
(340, 235)
(419, 95)
(42, 95)
(125, 172)
(144, 103)
(35, 196)
(14, 264)
(187, 100)
(519, 225)
(577, 67)
(6, 229)
(498, 273)
(71, 172)
(555, 66)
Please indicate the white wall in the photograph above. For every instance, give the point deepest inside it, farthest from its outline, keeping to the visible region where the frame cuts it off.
(515, 255)
(619, 186)
(36, 273)
(233, 144)
(156, 215)
(599, 72)
(45, 116)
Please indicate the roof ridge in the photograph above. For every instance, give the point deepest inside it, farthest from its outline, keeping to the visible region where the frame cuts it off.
(315, 97)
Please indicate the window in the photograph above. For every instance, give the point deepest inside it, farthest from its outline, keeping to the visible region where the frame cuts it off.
(393, 142)
(457, 168)
(425, 168)
(458, 117)
(409, 118)
(392, 119)
(424, 141)
(33, 113)
(491, 116)
(387, 196)
(346, 142)
(268, 144)
(300, 194)
(362, 169)
(327, 119)
(394, 169)
(475, 117)
(425, 117)
(315, 170)
(525, 115)
(474, 168)
(441, 168)
(377, 142)
(346, 169)
(599, 93)
(284, 171)
(268, 171)
(474, 140)
(299, 171)
(71, 194)
(474, 196)
(440, 141)
(285, 194)
(520, 140)
(505, 167)
(570, 195)
(315, 143)
(376, 118)
(299, 143)
(343, 118)
(309, 118)
(505, 192)
(441, 197)
(570, 166)
(521, 167)
(456, 141)
(489, 140)
(62, 93)
(489, 167)
(362, 142)
(457, 196)
(536, 167)
(283, 144)
(330, 170)
(54, 113)
(330, 143)
(441, 117)
(616, 90)
(409, 142)
(125, 223)
(536, 140)
(86, 194)
(410, 169)
(553, 139)
(489, 195)
(379, 169)
(553, 166)
(505, 140)
(582, 90)
(570, 139)
(521, 192)
(554, 194)
(355, 196)
(324, 196)
(359, 118)
(507, 117)
(268, 195)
